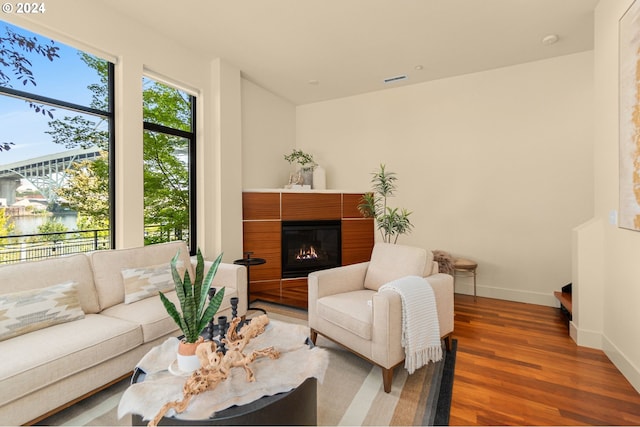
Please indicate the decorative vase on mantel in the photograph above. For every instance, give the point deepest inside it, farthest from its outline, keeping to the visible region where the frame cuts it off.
(307, 176)
(319, 178)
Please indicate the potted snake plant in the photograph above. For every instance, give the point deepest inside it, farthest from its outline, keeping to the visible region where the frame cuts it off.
(195, 313)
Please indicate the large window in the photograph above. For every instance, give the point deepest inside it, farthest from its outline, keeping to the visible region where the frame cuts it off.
(169, 166)
(56, 143)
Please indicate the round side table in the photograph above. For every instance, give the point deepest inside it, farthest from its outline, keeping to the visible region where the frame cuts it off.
(248, 262)
(467, 267)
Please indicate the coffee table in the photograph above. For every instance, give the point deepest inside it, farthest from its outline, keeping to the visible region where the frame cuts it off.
(295, 407)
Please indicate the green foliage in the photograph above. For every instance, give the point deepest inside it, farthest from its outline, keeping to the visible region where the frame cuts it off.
(12, 61)
(300, 157)
(166, 106)
(193, 317)
(392, 222)
(51, 226)
(6, 225)
(86, 191)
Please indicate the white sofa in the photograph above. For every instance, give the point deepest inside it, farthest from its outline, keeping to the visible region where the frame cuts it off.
(44, 369)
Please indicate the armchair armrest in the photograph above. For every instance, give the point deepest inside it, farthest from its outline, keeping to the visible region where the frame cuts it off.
(337, 280)
(386, 333)
(442, 285)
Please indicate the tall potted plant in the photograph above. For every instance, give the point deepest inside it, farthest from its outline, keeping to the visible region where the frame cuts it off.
(195, 313)
(392, 222)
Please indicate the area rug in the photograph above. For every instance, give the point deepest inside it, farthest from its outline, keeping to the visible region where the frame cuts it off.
(351, 394)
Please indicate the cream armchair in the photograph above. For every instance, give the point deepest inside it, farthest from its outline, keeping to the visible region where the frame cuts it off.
(346, 307)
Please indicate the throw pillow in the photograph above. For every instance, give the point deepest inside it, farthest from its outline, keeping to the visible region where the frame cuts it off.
(27, 311)
(145, 282)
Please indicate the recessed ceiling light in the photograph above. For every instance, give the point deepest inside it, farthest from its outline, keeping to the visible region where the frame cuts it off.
(313, 82)
(418, 67)
(549, 39)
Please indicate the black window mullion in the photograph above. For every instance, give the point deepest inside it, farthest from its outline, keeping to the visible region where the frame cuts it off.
(56, 102)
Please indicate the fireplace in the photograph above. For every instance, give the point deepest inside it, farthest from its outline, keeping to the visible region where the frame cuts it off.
(309, 246)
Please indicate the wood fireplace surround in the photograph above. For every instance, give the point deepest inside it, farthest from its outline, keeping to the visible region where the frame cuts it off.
(263, 213)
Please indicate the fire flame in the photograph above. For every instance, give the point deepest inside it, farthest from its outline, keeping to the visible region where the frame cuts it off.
(307, 253)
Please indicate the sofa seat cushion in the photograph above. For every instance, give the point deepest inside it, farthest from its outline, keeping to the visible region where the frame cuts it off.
(40, 358)
(150, 314)
(350, 310)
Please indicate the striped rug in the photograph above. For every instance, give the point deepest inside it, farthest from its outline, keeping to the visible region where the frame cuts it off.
(351, 394)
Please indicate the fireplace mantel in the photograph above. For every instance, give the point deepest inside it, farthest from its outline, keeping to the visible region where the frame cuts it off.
(263, 212)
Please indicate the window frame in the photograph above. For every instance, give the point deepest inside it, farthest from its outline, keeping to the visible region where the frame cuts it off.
(191, 136)
(110, 115)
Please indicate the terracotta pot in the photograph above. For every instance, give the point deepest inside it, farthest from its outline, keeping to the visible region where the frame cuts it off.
(187, 359)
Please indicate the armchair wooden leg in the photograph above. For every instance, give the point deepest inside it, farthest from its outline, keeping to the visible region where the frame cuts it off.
(313, 335)
(447, 342)
(387, 379)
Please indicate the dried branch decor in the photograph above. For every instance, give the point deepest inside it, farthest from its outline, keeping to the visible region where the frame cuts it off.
(215, 366)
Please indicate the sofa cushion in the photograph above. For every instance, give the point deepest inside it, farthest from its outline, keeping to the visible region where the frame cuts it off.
(40, 274)
(349, 310)
(149, 313)
(145, 282)
(28, 311)
(390, 262)
(107, 267)
(38, 359)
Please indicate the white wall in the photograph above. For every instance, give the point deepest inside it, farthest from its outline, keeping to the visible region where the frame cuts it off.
(135, 50)
(496, 166)
(268, 133)
(613, 300)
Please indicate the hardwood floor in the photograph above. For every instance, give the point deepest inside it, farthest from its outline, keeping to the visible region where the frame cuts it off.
(517, 365)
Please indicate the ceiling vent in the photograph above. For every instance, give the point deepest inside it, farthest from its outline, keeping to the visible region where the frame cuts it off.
(394, 79)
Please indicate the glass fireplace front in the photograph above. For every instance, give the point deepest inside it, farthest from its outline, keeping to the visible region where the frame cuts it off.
(309, 246)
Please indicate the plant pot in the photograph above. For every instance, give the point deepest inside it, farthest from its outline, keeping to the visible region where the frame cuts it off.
(187, 359)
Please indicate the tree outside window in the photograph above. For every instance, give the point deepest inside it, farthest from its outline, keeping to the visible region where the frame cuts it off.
(169, 143)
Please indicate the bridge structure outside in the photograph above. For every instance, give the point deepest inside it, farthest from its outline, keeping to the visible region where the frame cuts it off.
(46, 173)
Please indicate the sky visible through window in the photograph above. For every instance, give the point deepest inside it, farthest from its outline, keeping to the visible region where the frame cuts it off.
(66, 78)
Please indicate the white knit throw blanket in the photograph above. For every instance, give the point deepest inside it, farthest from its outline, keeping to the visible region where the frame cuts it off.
(420, 326)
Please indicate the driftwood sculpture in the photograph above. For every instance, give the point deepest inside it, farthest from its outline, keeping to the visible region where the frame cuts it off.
(215, 366)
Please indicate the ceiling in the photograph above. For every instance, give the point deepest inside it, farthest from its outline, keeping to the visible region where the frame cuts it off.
(313, 50)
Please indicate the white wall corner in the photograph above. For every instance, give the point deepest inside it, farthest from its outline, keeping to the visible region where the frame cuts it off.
(587, 274)
(585, 338)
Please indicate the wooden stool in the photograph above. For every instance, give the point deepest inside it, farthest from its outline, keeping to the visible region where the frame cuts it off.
(461, 265)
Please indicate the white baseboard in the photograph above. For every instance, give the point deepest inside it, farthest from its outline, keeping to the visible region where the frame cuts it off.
(628, 369)
(528, 297)
(585, 338)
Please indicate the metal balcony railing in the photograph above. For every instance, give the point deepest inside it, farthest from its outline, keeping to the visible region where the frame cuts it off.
(29, 247)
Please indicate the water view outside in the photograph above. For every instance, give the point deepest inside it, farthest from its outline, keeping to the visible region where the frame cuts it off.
(30, 224)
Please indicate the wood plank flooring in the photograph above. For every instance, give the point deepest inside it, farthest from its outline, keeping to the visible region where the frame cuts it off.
(517, 365)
